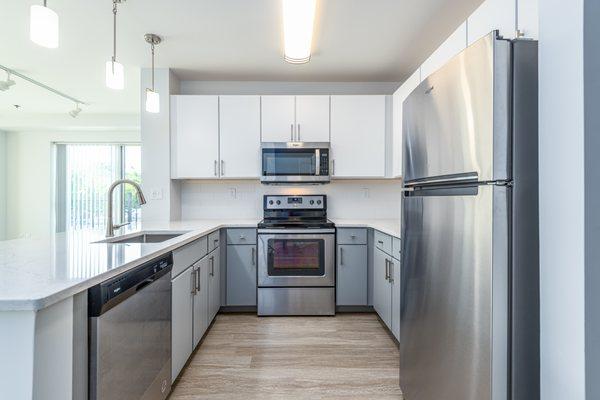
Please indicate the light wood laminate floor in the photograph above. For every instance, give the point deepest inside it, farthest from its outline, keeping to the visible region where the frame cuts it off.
(348, 356)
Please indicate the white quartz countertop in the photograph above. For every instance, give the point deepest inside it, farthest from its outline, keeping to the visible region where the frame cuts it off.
(36, 273)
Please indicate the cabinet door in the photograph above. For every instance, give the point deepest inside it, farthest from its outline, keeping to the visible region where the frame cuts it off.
(200, 300)
(312, 118)
(239, 118)
(278, 118)
(492, 15)
(395, 273)
(358, 136)
(214, 285)
(241, 275)
(382, 292)
(351, 275)
(194, 136)
(181, 322)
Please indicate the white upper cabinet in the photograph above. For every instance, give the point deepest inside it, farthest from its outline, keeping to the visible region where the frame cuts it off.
(278, 118)
(398, 99)
(358, 136)
(312, 118)
(493, 15)
(240, 136)
(455, 43)
(194, 136)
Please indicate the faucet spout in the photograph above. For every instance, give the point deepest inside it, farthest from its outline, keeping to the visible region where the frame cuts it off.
(110, 226)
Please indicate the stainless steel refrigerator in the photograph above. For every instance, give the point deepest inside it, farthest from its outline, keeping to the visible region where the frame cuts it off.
(469, 325)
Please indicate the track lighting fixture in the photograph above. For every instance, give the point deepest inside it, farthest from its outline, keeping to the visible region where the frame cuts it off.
(152, 98)
(75, 112)
(115, 74)
(43, 28)
(5, 85)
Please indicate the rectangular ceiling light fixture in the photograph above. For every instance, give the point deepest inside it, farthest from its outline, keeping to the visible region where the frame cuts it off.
(298, 24)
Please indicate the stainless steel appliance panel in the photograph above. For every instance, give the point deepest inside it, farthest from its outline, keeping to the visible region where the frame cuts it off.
(454, 294)
(456, 122)
(295, 162)
(130, 348)
(326, 278)
(318, 301)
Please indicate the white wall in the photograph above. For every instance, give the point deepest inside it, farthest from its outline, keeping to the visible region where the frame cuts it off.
(30, 200)
(562, 219)
(346, 199)
(162, 193)
(2, 185)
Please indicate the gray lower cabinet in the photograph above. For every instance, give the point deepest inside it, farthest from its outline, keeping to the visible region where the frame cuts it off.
(395, 273)
(181, 320)
(241, 275)
(382, 289)
(214, 284)
(352, 275)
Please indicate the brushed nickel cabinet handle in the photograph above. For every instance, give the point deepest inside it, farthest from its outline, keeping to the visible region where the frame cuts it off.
(193, 281)
(253, 256)
(216, 168)
(292, 132)
(387, 273)
(298, 133)
(222, 168)
(391, 272)
(198, 286)
(341, 256)
(212, 266)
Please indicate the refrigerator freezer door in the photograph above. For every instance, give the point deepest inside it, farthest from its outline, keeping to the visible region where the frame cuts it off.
(454, 294)
(456, 122)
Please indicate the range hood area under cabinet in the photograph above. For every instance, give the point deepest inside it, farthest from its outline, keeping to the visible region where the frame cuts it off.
(219, 137)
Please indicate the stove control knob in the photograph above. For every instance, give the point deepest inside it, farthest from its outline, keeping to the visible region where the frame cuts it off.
(278, 202)
(312, 202)
(319, 202)
(271, 202)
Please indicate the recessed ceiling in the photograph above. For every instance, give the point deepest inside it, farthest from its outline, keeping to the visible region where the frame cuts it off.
(241, 40)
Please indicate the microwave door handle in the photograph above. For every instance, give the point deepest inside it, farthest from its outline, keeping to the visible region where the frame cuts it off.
(318, 162)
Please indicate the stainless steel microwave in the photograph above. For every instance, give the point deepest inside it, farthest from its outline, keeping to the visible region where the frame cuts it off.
(295, 162)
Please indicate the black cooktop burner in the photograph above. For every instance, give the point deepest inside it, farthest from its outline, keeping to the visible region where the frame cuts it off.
(295, 224)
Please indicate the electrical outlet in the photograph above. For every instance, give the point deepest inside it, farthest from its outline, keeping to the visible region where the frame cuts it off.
(156, 194)
(233, 193)
(366, 193)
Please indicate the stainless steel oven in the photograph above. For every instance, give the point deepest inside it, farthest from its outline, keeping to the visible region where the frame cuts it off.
(304, 257)
(296, 257)
(295, 162)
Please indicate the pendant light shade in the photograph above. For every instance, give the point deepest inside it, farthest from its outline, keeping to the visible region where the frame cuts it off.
(115, 75)
(152, 101)
(43, 29)
(152, 97)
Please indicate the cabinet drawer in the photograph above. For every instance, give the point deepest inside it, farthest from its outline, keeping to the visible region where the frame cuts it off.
(396, 248)
(187, 255)
(241, 236)
(383, 242)
(352, 236)
(213, 240)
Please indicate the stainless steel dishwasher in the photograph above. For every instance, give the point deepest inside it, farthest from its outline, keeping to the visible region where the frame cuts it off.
(130, 334)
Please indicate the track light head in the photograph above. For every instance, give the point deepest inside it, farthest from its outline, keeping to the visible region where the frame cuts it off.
(75, 112)
(5, 85)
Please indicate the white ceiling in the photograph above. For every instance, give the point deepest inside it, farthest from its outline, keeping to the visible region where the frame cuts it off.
(354, 41)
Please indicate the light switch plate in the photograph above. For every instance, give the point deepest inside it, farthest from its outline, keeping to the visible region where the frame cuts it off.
(156, 194)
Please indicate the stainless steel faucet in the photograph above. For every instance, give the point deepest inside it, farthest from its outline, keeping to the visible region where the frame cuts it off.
(110, 226)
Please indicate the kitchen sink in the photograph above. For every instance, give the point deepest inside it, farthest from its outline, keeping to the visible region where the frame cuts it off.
(143, 237)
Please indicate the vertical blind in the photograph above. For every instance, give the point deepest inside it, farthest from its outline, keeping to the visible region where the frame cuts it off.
(83, 174)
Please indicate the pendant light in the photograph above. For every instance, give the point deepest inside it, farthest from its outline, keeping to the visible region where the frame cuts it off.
(152, 97)
(43, 28)
(115, 74)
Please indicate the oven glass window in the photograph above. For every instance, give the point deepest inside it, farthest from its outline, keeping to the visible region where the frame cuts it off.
(296, 257)
(289, 162)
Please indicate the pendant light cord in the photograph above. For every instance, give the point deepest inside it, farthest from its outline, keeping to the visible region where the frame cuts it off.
(152, 46)
(114, 58)
(45, 2)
